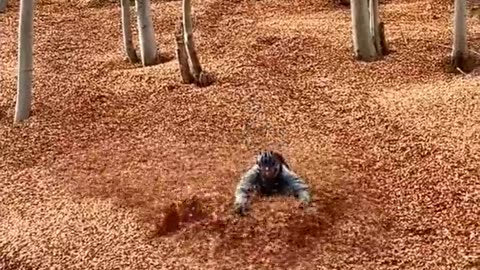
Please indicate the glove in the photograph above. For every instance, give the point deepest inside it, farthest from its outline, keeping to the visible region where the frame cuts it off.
(240, 209)
(303, 203)
(304, 199)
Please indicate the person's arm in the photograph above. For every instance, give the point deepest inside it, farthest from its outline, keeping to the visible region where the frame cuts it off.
(244, 187)
(297, 185)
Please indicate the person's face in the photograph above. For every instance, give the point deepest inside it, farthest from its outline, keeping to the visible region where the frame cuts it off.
(269, 172)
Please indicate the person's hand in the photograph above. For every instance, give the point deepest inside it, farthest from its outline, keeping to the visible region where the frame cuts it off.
(307, 207)
(303, 204)
(240, 209)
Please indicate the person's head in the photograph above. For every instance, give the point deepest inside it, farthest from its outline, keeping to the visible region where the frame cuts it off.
(269, 165)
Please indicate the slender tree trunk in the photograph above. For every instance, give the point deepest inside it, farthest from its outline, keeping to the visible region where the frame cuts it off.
(188, 38)
(182, 56)
(460, 48)
(383, 40)
(127, 32)
(375, 25)
(377, 30)
(148, 47)
(25, 61)
(3, 5)
(363, 45)
(200, 77)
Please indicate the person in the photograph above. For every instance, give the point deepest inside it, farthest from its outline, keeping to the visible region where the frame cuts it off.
(270, 175)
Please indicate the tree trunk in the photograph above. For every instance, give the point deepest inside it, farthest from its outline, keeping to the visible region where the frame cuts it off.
(460, 48)
(25, 61)
(363, 45)
(188, 38)
(377, 30)
(383, 40)
(182, 56)
(3, 5)
(148, 47)
(127, 32)
(201, 78)
(375, 25)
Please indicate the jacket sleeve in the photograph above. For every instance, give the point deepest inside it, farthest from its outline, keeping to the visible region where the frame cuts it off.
(244, 187)
(296, 185)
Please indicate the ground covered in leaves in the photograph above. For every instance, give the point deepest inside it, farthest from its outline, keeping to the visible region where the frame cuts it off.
(124, 167)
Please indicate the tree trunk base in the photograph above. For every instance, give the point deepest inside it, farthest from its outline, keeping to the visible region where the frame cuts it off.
(461, 63)
(133, 57)
(3, 6)
(204, 79)
(182, 57)
(383, 41)
(190, 69)
(359, 57)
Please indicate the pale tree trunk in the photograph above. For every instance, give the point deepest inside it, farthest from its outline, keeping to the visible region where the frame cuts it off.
(363, 45)
(3, 5)
(460, 48)
(190, 68)
(25, 61)
(377, 30)
(196, 68)
(127, 32)
(148, 46)
(182, 57)
(375, 25)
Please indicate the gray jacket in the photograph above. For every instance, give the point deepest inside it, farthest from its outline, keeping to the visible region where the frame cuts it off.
(287, 183)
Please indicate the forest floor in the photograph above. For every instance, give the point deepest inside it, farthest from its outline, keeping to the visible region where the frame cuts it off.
(124, 167)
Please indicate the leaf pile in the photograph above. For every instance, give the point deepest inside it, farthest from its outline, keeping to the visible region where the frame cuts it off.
(125, 167)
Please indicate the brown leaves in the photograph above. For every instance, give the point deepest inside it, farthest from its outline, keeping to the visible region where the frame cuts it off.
(391, 149)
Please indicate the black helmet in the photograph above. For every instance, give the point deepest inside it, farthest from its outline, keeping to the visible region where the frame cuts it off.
(267, 159)
(270, 164)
